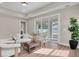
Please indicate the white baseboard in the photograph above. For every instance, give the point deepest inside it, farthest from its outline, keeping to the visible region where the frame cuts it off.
(66, 44)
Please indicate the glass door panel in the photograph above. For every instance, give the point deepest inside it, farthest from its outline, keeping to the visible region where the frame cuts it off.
(45, 28)
(48, 28)
(55, 29)
(38, 27)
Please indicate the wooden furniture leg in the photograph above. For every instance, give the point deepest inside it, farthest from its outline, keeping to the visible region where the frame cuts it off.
(16, 52)
(41, 44)
(0, 52)
(44, 44)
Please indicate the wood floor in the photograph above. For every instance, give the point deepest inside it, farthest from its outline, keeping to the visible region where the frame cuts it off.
(52, 51)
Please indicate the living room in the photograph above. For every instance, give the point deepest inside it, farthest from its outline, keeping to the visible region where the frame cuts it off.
(37, 29)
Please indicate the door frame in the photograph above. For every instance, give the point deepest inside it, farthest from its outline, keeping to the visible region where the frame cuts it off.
(59, 26)
(20, 25)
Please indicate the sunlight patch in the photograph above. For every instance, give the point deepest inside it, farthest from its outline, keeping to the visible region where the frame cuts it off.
(45, 51)
(61, 53)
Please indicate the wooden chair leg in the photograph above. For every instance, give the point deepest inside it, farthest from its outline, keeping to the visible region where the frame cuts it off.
(16, 52)
(0, 51)
(44, 44)
(29, 50)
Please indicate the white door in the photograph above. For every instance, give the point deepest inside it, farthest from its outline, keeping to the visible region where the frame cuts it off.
(54, 29)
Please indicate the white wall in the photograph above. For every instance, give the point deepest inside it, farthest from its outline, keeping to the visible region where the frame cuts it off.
(30, 26)
(8, 26)
(65, 14)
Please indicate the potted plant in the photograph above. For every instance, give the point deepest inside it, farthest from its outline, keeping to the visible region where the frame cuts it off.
(74, 29)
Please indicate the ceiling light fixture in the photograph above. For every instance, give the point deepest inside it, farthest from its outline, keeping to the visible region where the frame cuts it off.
(24, 3)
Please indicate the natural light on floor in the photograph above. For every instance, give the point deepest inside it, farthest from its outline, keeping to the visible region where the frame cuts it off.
(45, 51)
(63, 53)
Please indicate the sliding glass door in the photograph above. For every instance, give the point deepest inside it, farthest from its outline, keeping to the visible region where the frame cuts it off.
(38, 27)
(54, 29)
(42, 28)
(48, 28)
(45, 28)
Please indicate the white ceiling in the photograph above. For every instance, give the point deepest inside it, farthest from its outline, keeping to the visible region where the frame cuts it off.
(18, 7)
(33, 9)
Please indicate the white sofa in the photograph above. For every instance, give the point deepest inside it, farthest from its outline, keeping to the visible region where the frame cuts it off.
(8, 47)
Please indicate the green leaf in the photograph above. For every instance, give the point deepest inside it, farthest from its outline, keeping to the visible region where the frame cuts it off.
(74, 28)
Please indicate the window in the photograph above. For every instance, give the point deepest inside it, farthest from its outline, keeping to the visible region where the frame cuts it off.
(45, 28)
(38, 27)
(48, 28)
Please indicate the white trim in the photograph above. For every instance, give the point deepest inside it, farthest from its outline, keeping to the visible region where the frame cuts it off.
(47, 16)
(40, 19)
(59, 27)
(20, 25)
(66, 44)
(63, 44)
(51, 10)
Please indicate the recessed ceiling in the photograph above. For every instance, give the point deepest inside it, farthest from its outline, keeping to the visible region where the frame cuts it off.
(18, 7)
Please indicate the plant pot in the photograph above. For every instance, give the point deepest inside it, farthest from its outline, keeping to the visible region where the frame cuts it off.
(73, 44)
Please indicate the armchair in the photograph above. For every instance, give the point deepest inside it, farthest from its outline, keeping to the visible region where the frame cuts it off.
(27, 42)
(32, 44)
